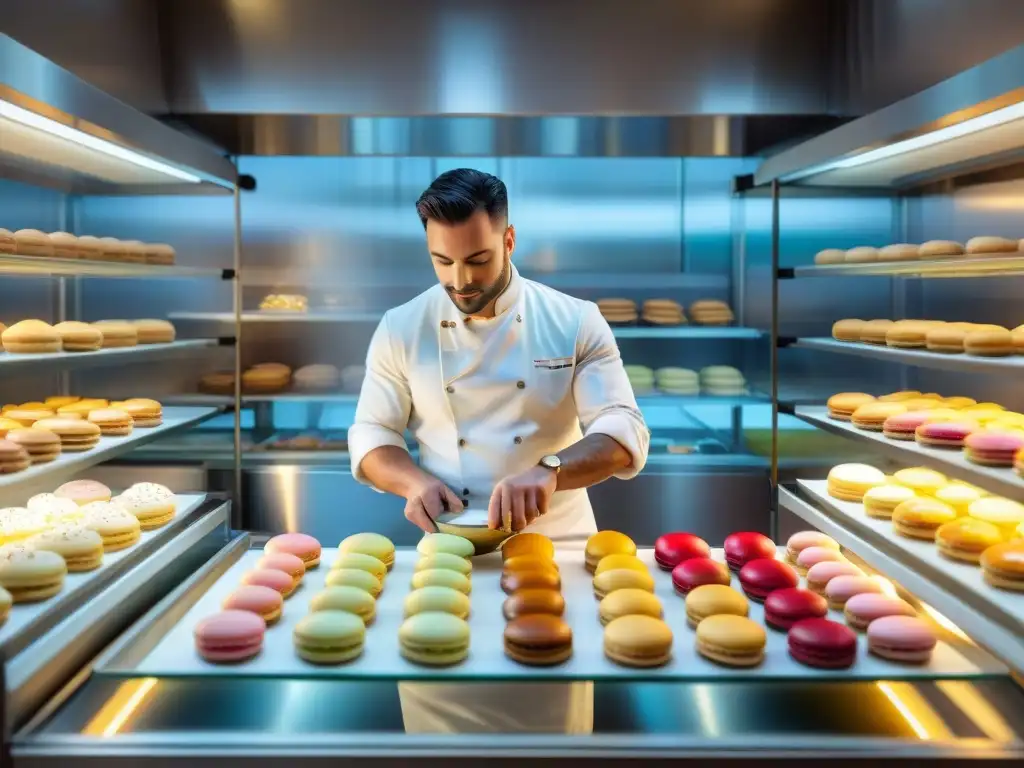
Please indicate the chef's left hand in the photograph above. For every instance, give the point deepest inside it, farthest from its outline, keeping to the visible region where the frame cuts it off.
(521, 498)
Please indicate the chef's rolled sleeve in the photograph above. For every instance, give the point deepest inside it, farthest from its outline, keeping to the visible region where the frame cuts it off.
(385, 401)
(604, 398)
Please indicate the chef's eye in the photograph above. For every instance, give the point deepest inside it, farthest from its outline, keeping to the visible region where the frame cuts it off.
(478, 262)
(443, 261)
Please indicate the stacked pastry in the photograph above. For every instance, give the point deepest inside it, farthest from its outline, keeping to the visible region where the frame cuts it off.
(641, 378)
(677, 381)
(979, 339)
(711, 312)
(36, 336)
(663, 312)
(535, 632)
(618, 311)
(64, 245)
(284, 302)
(977, 247)
(266, 378)
(723, 381)
(319, 377)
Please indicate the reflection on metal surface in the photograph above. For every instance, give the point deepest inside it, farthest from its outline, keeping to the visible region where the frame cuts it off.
(969, 700)
(120, 707)
(944, 622)
(702, 699)
(922, 719)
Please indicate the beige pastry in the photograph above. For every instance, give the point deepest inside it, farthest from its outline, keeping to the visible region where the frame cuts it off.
(79, 337)
(940, 249)
(861, 254)
(830, 256)
(899, 252)
(134, 251)
(90, 248)
(117, 333)
(113, 249)
(65, 245)
(30, 337)
(7, 242)
(848, 330)
(159, 253)
(32, 242)
(988, 245)
(154, 331)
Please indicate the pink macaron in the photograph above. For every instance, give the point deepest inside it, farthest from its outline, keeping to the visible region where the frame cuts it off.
(268, 577)
(994, 449)
(901, 638)
(301, 545)
(229, 636)
(802, 540)
(842, 588)
(811, 556)
(818, 576)
(265, 602)
(945, 434)
(864, 608)
(282, 561)
(903, 425)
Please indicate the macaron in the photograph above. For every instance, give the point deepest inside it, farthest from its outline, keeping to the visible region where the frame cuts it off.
(276, 580)
(362, 562)
(872, 417)
(81, 548)
(881, 501)
(921, 480)
(966, 538)
(623, 578)
(784, 607)
(441, 599)
(629, 602)
(229, 636)
(153, 504)
(445, 561)
(848, 329)
(670, 549)
(301, 545)
(742, 547)
(616, 562)
(841, 588)
(842, 405)
(145, 413)
(1004, 514)
(355, 577)
(112, 422)
(697, 572)
(118, 528)
(714, 599)
(537, 579)
(761, 577)
(811, 556)
(638, 641)
(822, 643)
(945, 434)
(265, 602)
(443, 578)
(346, 598)
(282, 561)
(921, 517)
(432, 543)
(862, 609)
(903, 426)
(733, 641)
(527, 601)
(538, 639)
(604, 543)
(6, 601)
(83, 492)
(874, 331)
(373, 544)
(31, 575)
(904, 639)
(802, 540)
(959, 496)
(992, 449)
(41, 445)
(13, 457)
(329, 637)
(849, 482)
(528, 544)
(434, 638)
(54, 508)
(529, 563)
(1003, 565)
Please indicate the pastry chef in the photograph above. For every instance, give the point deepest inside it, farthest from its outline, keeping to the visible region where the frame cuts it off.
(518, 399)
(515, 392)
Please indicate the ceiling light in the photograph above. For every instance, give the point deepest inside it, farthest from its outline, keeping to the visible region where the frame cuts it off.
(54, 128)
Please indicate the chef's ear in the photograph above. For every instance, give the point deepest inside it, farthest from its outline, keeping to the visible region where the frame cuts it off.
(510, 240)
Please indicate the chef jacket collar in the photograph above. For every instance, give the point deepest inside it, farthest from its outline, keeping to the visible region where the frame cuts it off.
(508, 298)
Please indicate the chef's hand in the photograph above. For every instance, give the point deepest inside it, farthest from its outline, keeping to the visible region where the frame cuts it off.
(427, 499)
(521, 498)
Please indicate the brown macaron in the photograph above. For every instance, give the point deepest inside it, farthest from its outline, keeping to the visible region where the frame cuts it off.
(13, 457)
(989, 341)
(538, 639)
(536, 579)
(529, 601)
(41, 445)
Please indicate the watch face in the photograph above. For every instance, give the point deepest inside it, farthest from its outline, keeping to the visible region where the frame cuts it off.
(551, 462)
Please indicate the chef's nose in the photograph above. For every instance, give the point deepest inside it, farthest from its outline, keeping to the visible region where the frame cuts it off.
(460, 277)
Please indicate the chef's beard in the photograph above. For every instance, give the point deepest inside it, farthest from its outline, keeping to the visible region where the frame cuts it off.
(487, 294)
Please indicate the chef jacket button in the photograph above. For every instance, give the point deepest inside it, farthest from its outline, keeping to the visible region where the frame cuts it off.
(444, 323)
(462, 442)
(449, 389)
(465, 491)
(517, 440)
(519, 318)
(521, 384)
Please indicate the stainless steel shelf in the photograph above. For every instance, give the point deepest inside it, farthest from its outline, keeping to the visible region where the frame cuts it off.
(993, 266)
(281, 317)
(993, 479)
(956, 590)
(104, 357)
(919, 357)
(37, 265)
(68, 464)
(686, 332)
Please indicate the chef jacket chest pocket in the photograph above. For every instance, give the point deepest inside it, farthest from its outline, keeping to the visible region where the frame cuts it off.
(551, 380)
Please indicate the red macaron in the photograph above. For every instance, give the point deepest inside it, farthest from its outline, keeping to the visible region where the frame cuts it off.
(698, 571)
(994, 449)
(822, 643)
(673, 548)
(741, 548)
(785, 607)
(759, 578)
(944, 434)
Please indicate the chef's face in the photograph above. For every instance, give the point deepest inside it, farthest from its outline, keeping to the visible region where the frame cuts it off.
(470, 259)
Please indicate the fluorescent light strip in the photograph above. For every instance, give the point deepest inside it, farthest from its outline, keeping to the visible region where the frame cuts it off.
(930, 139)
(52, 127)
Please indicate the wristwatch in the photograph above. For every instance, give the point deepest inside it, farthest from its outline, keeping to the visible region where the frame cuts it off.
(551, 462)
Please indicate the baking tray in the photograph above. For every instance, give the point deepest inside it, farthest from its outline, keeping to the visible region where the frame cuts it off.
(162, 644)
(27, 621)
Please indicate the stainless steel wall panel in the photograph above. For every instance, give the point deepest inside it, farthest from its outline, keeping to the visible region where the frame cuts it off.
(551, 57)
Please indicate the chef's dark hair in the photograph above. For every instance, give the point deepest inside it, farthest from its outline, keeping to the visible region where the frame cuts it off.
(456, 195)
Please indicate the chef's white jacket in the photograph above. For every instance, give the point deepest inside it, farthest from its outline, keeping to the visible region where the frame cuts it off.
(487, 398)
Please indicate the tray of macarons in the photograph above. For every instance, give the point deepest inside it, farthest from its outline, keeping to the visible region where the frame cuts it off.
(683, 611)
(62, 547)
